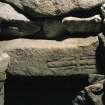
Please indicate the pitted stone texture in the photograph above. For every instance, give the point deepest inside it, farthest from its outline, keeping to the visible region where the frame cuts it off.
(83, 25)
(52, 58)
(42, 8)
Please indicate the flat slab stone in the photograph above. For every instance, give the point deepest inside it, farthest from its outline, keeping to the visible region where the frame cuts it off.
(84, 25)
(51, 58)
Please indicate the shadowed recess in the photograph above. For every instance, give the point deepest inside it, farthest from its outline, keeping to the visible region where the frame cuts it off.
(43, 90)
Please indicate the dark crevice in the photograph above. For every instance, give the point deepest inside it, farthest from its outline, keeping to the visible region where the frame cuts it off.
(100, 55)
(6, 34)
(21, 90)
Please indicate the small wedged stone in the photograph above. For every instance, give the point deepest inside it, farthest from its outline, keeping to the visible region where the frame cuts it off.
(53, 28)
(48, 8)
(92, 78)
(101, 38)
(51, 58)
(102, 9)
(83, 25)
(93, 90)
(91, 95)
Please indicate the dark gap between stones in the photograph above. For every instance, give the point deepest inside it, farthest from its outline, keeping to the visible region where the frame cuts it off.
(48, 90)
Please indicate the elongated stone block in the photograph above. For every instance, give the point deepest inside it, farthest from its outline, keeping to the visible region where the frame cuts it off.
(18, 28)
(83, 25)
(51, 58)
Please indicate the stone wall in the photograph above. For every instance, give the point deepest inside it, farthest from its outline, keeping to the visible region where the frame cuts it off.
(52, 52)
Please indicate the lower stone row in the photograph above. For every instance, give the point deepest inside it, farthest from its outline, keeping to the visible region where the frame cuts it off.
(42, 58)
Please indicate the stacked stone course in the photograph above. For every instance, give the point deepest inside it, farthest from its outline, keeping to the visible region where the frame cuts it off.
(40, 38)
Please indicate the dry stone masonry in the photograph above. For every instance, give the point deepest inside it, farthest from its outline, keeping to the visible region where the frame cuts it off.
(61, 40)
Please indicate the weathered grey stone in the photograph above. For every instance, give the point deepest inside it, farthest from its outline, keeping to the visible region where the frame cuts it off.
(13, 23)
(19, 28)
(7, 12)
(53, 28)
(43, 57)
(93, 90)
(2, 93)
(53, 7)
(102, 8)
(91, 95)
(95, 77)
(101, 38)
(83, 25)
(103, 16)
(4, 62)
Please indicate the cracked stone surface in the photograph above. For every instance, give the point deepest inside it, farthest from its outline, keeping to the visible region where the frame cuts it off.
(53, 58)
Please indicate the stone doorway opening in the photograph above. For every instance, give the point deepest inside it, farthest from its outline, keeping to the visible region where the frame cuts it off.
(43, 90)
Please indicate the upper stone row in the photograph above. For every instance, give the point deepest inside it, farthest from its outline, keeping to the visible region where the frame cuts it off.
(50, 8)
(24, 23)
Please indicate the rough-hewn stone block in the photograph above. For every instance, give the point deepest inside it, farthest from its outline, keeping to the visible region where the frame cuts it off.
(83, 25)
(43, 57)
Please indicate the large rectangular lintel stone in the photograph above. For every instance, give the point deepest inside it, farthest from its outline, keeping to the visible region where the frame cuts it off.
(51, 58)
